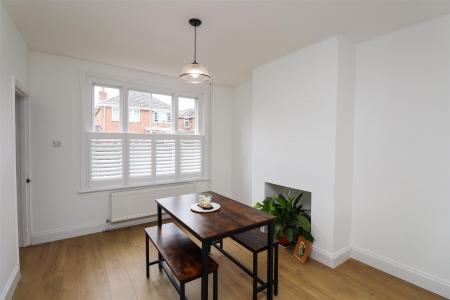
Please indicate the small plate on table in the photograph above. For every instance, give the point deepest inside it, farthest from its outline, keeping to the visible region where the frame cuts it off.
(197, 208)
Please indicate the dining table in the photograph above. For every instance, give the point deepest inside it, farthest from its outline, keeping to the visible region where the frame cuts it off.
(232, 218)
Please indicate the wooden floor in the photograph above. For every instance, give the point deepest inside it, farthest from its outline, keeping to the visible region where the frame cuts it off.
(111, 265)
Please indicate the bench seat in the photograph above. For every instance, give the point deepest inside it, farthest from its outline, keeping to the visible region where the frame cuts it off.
(254, 240)
(180, 253)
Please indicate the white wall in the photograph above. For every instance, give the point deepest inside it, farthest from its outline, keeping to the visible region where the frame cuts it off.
(401, 200)
(221, 139)
(58, 209)
(300, 109)
(13, 52)
(344, 146)
(242, 143)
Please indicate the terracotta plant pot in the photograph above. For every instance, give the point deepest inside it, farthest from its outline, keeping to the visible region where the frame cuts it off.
(283, 241)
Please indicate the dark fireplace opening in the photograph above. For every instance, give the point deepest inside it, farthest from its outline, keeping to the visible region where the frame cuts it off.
(272, 189)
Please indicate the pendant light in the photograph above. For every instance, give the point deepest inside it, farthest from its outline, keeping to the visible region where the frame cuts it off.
(195, 72)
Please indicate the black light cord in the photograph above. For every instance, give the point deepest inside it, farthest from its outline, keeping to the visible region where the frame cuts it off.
(195, 44)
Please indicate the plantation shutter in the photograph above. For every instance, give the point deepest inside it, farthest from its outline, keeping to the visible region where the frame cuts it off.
(190, 156)
(140, 157)
(165, 157)
(106, 158)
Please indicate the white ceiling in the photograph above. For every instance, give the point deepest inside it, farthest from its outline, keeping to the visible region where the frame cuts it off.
(235, 37)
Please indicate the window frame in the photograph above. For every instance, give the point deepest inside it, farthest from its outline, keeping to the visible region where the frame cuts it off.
(175, 89)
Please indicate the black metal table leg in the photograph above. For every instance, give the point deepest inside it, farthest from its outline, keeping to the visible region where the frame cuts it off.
(215, 285)
(159, 216)
(182, 292)
(270, 261)
(205, 257)
(147, 258)
(255, 276)
(160, 259)
(275, 290)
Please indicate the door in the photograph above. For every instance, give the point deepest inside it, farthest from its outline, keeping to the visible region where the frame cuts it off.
(22, 167)
(18, 171)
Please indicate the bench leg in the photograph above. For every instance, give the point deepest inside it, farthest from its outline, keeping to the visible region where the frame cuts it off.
(275, 281)
(160, 259)
(215, 285)
(255, 276)
(147, 259)
(182, 292)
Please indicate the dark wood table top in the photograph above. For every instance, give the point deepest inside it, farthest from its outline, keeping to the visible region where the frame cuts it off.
(232, 217)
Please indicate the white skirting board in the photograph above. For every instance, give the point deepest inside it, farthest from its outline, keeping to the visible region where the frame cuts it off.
(11, 284)
(329, 259)
(419, 278)
(65, 233)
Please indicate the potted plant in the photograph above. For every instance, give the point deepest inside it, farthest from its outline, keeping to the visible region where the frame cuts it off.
(292, 220)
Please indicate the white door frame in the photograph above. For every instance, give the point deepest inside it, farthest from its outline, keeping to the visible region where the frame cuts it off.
(25, 171)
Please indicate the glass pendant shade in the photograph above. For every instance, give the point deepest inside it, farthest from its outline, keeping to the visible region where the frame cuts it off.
(195, 73)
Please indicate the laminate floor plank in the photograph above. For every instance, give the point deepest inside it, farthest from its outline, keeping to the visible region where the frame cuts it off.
(111, 265)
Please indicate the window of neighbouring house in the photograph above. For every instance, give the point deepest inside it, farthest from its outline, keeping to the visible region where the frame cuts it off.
(106, 117)
(162, 117)
(134, 115)
(139, 108)
(187, 114)
(162, 107)
(140, 137)
(115, 114)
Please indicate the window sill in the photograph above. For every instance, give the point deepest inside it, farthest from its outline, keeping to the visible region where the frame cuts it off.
(137, 186)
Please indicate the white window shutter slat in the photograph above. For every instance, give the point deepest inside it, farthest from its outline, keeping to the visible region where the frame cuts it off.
(165, 157)
(140, 157)
(106, 158)
(190, 157)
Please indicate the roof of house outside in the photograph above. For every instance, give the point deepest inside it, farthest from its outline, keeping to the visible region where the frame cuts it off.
(187, 113)
(141, 100)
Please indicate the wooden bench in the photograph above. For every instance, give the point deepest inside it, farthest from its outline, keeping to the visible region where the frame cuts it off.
(255, 241)
(179, 254)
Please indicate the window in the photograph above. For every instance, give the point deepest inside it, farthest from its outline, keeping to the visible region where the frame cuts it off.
(115, 114)
(187, 113)
(162, 117)
(132, 138)
(134, 115)
(106, 109)
(139, 107)
(162, 107)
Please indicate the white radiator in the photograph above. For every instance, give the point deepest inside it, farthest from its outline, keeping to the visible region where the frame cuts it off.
(141, 203)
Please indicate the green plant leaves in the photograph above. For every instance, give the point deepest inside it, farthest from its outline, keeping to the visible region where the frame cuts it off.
(308, 236)
(303, 223)
(292, 220)
(277, 230)
(289, 234)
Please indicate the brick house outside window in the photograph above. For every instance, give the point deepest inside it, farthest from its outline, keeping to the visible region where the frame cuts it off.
(141, 117)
